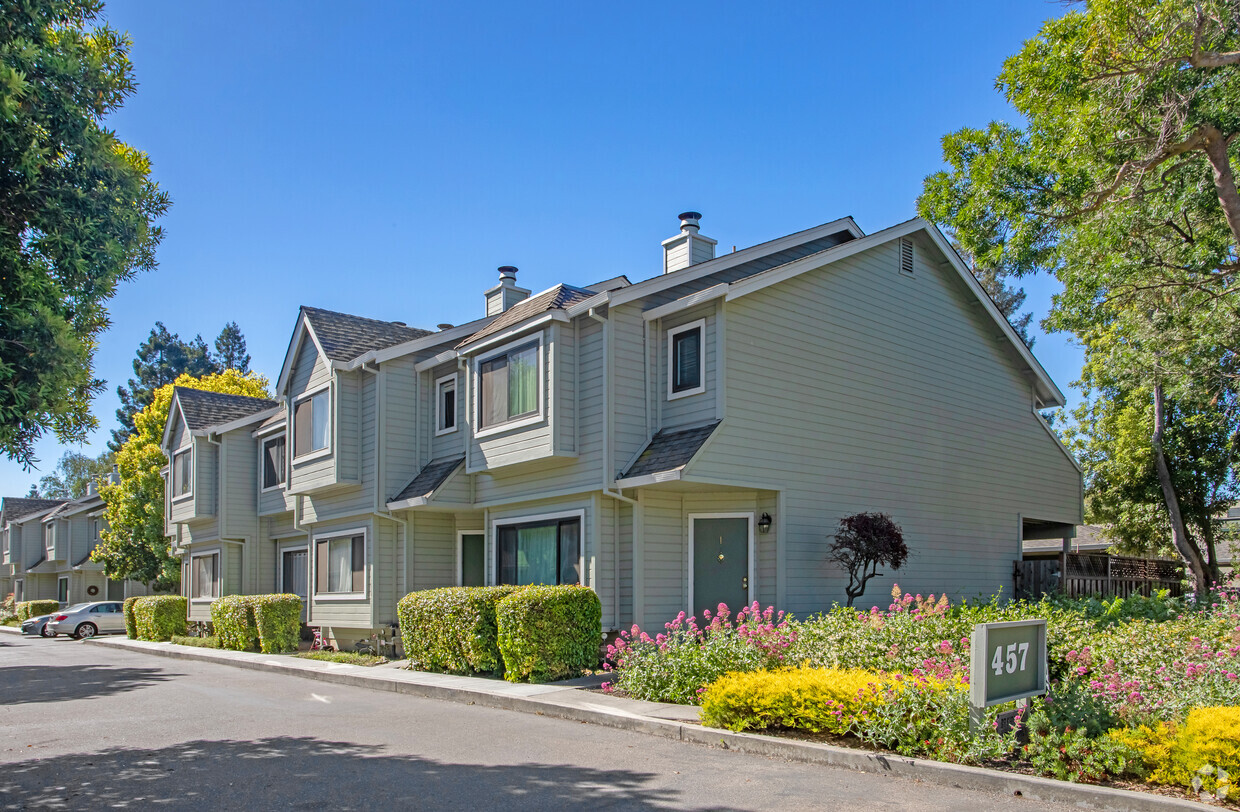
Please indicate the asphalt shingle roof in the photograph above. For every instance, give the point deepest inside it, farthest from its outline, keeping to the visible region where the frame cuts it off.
(204, 409)
(13, 508)
(430, 478)
(344, 337)
(558, 298)
(669, 450)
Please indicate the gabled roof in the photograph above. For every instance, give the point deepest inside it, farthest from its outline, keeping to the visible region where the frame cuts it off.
(13, 509)
(202, 409)
(670, 451)
(559, 297)
(343, 337)
(429, 479)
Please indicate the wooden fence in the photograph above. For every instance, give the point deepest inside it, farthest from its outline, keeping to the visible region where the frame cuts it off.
(1092, 574)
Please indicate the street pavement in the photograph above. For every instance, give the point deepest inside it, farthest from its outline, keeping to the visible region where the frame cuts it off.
(89, 727)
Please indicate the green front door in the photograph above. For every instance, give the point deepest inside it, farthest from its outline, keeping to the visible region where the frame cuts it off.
(720, 564)
(473, 559)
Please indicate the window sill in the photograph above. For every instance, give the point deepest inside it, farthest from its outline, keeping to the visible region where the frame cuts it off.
(273, 488)
(442, 432)
(185, 497)
(686, 393)
(500, 428)
(200, 601)
(331, 597)
(313, 455)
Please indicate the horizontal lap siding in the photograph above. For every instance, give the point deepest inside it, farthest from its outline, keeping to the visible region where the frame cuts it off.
(310, 374)
(450, 444)
(399, 418)
(241, 484)
(629, 424)
(434, 549)
(206, 477)
(692, 409)
(385, 572)
(889, 393)
(664, 553)
(182, 510)
(345, 613)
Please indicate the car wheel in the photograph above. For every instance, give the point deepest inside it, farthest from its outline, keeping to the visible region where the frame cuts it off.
(85, 630)
(46, 632)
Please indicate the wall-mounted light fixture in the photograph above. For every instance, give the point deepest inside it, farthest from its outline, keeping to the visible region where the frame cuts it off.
(764, 523)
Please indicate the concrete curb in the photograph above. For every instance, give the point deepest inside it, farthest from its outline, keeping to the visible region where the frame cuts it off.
(573, 705)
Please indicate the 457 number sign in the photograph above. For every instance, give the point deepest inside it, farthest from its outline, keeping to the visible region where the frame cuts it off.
(1008, 662)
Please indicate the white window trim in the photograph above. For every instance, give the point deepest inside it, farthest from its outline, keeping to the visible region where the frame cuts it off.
(491, 544)
(331, 424)
(672, 332)
(460, 553)
(753, 584)
(439, 384)
(64, 578)
(262, 462)
(292, 548)
(49, 539)
(332, 597)
(172, 473)
(19, 585)
(219, 573)
(528, 420)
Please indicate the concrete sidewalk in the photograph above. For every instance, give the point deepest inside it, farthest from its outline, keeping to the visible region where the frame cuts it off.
(573, 701)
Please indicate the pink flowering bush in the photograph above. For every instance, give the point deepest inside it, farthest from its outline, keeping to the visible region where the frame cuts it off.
(676, 664)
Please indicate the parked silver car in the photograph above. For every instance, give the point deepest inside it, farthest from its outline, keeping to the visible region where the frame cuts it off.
(37, 625)
(89, 619)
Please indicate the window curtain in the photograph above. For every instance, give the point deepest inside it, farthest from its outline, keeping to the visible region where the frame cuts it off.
(570, 553)
(204, 576)
(340, 566)
(523, 381)
(494, 404)
(536, 554)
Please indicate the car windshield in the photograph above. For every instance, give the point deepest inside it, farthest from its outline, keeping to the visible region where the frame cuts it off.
(75, 607)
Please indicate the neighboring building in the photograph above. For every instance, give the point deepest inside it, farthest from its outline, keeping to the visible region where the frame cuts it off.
(46, 545)
(691, 439)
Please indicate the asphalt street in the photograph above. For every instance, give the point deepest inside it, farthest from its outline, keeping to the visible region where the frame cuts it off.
(88, 727)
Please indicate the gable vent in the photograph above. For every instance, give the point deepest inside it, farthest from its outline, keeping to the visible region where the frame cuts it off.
(906, 256)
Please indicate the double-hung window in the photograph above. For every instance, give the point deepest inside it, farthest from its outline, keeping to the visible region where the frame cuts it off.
(445, 405)
(205, 577)
(540, 552)
(273, 462)
(340, 564)
(685, 353)
(182, 472)
(508, 385)
(311, 424)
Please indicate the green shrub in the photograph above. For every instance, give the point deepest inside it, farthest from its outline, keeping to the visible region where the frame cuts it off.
(29, 609)
(549, 632)
(159, 617)
(200, 642)
(349, 657)
(131, 625)
(234, 623)
(453, 629)
(1071, 754)
(278, 620)
(820, 700)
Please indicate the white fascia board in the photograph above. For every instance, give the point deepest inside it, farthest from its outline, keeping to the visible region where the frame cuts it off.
(436, 360)
(586, 305)
(241, 422)
(668, 280)
(425, 342)
(300, 331)
(274, 428)
(417, 501)
(744, 287)
(686, 302)
(173, 412)
(650, 479)
(513, 332)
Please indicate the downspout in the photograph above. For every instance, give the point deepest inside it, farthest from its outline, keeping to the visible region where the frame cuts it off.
(221, 502)
(380, 472)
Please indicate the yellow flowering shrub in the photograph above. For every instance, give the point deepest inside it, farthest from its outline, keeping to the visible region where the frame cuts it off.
(1205, 747)
(820, 700)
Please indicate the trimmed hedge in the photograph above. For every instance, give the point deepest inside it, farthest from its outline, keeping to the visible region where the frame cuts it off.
(159, 617)
(131, 625)
(29, 609)
(453, 629)
(549, 632)
(267, 623)
(199, 642)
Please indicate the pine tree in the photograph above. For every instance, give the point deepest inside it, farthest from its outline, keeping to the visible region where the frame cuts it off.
(230, 349)
(162, 358)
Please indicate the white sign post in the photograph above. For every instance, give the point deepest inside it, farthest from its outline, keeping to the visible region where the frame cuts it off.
(1008, 663)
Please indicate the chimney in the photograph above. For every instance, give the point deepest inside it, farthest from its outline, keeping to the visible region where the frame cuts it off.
(506, 293)
(688, 247)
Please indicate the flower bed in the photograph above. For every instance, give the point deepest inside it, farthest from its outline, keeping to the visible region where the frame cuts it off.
(1129, 677)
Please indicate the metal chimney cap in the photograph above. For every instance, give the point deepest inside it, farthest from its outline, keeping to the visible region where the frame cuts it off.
(690, 215)
(507, 272)
(689, 221)
(445, 326)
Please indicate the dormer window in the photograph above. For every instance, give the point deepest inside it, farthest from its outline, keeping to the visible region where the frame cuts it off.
(49, 535)
(182, 473)
(274, 450)
(509, 389)
(684, 360)
(445, 404)
(311, 423)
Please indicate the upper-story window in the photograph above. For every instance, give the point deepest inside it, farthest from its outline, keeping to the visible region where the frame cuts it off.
(509, 391)
(94, 529)
(685, 373)
(445, 404)
(182, 472)
(311, 423)
(273, 462)
(49, 535)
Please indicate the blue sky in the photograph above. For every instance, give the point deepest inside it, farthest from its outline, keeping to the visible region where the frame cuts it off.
(384, 161)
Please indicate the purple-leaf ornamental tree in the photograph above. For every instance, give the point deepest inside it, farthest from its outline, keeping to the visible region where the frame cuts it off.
(865, 542)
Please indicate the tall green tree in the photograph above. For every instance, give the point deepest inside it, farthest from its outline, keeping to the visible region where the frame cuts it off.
(230, 349)
(73, 475)
(1122, 183)
(77, 213)
(161, 359)
(133, 544)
